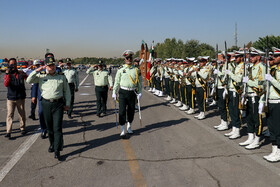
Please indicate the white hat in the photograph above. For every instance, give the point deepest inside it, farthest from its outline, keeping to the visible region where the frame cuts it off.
(191, 58)
(240, 52)
(36, 62)
(275, 50)
(127, 53)
(255, 51)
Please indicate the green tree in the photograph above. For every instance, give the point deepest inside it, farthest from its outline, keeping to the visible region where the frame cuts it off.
(261, 43)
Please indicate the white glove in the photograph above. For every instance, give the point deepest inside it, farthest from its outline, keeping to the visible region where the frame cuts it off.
(227, 71)
(261, 105)
(212, 91)
(216, 71)
(114, 96)
(245, 79)
(225, 93)
(139, 96)
(268, 77)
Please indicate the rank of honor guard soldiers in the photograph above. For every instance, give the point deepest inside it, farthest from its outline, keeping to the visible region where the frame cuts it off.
(186, 85)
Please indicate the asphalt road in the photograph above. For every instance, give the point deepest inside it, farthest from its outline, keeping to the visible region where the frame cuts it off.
(170, 149)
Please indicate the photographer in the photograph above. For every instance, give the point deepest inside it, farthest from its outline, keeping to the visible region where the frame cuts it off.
(14, 81)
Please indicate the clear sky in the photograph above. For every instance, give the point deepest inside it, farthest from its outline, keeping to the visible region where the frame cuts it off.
(105, 28)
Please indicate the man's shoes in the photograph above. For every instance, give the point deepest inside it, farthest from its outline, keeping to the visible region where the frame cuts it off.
(69, 116)
(99, 115)
(44, 134)
(23, 132)
(51, 149)
(32, 116)
(57, 155)
(8, 135)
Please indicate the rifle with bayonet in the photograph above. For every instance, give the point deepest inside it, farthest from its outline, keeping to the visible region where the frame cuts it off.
(267, 66)
(215, 89)
(245, 89)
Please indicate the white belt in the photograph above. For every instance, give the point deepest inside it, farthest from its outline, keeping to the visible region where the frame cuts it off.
(252, 94)
(129, 89)
(232, 90)
(220, 87)
(274, 101)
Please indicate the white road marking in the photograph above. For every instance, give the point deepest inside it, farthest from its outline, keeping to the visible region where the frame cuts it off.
(84, 94)
(18, 154)
(83, 80)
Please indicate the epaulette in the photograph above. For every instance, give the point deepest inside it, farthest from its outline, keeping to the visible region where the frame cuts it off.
(60, 73)
(42, 72)
(121, 66)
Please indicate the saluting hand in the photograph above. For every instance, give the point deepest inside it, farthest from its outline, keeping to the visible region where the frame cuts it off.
(41, 68)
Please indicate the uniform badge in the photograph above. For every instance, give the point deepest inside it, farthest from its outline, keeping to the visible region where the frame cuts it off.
(124, 71)
(97, 73)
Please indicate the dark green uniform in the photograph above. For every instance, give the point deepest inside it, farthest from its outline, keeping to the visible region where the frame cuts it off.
(101, 80)
(55, 95)
(73, 81)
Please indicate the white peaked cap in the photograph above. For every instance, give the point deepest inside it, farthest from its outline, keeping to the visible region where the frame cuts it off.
(255, 51)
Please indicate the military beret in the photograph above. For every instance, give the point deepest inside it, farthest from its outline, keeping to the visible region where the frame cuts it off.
(49, 61)
(127, 53)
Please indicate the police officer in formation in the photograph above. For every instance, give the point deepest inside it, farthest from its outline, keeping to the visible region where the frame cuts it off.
(72, 77)
(129, 85)
(56, 98)
(102, 79)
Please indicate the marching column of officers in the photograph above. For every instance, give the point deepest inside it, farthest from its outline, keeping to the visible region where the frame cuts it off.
(237, 83)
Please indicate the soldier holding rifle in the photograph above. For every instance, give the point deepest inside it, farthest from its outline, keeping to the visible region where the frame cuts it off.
(273, 116)
(255, 88)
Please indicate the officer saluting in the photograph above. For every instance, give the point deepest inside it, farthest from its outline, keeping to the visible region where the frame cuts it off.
(72, 77)
(127, 78)
(101, 80)
(55, 98)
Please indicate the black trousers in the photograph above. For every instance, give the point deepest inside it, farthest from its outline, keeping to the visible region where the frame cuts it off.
(223, 105)
(159, 84)
(273, 121)
(72, 91)
(101, 93)
(126, 106)
(167, 86)
(190, 96)
(33, 106)
(200, 98)
(254, 119)
(53, 115)
(172, 89)
(183, 93)
(234, 111)
(177, 91)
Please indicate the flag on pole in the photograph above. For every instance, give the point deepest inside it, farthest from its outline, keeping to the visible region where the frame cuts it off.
(151, 61)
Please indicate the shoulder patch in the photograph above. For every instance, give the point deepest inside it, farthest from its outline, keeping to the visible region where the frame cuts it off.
(121, 66)
(42, 72)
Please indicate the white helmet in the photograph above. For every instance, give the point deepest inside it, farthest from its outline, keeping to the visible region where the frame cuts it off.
(36, 62)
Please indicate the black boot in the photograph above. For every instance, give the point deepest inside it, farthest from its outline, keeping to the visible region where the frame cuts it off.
(57, 155)
(51, 150)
